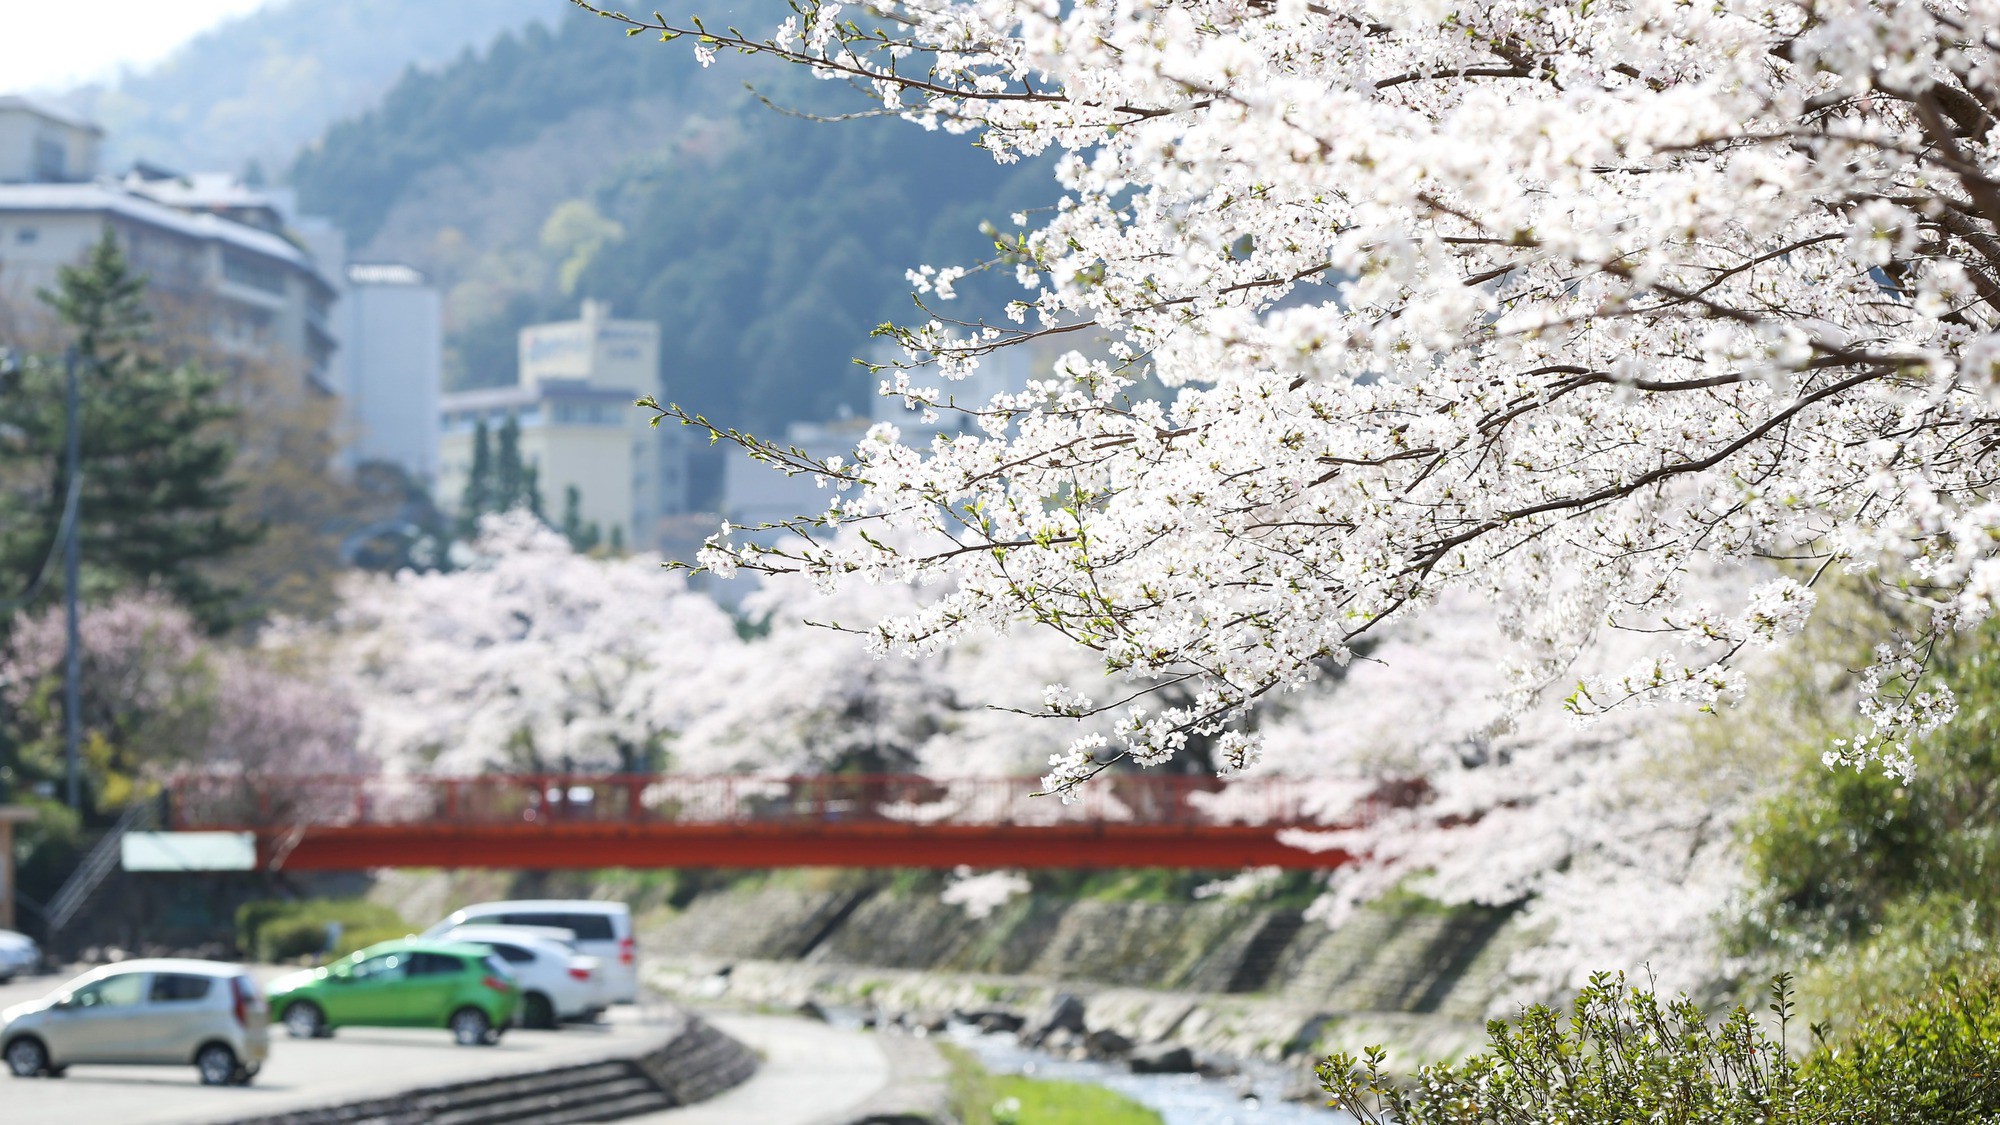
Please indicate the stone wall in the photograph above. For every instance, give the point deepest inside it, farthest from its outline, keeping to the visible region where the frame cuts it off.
(1409, 956)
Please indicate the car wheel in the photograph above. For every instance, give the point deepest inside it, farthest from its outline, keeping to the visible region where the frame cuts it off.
(471, 1028)
(217, 1065)
(537, 1012)
(244, 1076)
(304, 1020)
(27, 1058)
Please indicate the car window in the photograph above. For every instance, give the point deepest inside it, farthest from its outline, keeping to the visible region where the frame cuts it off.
(387, 966)
(512, 953)
(170, 988)
(434, 964)
(122, 991)
(587, 927)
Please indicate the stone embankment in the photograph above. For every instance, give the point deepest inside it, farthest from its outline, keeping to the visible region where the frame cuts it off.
(1229, 981)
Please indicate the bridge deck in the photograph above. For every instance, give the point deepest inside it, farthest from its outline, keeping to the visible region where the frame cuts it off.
(553, 822)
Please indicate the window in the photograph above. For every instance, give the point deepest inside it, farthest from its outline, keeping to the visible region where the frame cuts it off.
(435, 965)
(513, 953)
(586, 927)
(27, 236)
(389, 966)
(122, 991)
(51, 160)
(171, 988)
(244, 269)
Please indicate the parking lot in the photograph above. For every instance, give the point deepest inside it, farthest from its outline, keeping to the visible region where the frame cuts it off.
(357, 1063)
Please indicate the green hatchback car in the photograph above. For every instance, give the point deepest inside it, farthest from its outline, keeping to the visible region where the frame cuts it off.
(410, 982)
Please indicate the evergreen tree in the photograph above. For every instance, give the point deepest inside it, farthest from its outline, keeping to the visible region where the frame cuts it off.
(532, 475)
(478, 497)
(155, 497)
(509, 481)
(581, 536)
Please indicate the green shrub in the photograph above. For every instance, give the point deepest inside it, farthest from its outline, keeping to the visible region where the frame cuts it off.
(280, 930)
(361, 937)
(286, 939)
(1933, 1060)
(1623, 1056)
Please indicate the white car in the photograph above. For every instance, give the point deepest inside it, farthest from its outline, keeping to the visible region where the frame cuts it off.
(557, 982)
(171, 1011)
(602, 929)
(18, 954)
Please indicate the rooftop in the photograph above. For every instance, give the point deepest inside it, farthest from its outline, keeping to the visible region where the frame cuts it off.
(113, 199)
(48, 112)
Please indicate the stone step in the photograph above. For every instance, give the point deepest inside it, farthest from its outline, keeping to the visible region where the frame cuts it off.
(616, 1109)
(596, 1093)
(469, 1094)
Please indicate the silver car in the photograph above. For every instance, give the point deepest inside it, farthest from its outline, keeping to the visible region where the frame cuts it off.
(169, 1011)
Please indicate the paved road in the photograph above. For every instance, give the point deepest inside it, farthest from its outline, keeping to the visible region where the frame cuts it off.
(813, 1074)
(356, 1063)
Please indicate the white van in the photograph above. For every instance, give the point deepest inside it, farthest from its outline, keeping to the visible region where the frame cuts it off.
(602, 929)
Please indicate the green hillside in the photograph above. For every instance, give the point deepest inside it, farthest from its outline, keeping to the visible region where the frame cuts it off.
(574, 162)
(259, 86)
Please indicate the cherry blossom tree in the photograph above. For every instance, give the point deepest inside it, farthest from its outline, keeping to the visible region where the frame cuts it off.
(532, 658)
(537, 657)
(1548, 304)
(160, 695)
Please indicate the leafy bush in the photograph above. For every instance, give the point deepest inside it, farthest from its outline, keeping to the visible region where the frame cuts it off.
(361, 937)
(1623, 1056)
(285, 939)
(1934, 1060)
(1874, 882)
(279, 930)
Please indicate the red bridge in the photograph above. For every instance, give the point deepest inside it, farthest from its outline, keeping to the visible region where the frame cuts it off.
(548, 822)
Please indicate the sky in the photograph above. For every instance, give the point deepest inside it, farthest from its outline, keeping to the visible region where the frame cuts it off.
(51, 45)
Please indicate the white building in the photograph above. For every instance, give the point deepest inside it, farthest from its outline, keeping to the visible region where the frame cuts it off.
(579, 427)
(39, 145)
(391, 364)
(217, 247)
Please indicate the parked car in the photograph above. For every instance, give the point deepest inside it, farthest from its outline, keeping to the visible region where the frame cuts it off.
(409, 982)
(18, 954)
(602, 929)
(557, 982)
(169, 1011)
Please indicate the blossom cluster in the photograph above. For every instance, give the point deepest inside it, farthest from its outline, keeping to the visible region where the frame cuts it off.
(1550, 304)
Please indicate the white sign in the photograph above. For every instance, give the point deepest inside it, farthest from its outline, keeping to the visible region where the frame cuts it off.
(189, 851)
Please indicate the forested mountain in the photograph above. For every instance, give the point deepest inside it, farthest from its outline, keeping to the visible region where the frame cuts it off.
(573, 162)
(261, 85)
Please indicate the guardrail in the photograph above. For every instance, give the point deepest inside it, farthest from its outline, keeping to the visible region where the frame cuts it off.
(230, 802)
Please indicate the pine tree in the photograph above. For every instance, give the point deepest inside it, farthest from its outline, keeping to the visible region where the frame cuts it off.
(582, 536)
(155, 497)
(478, 497)
(509, 481)
(532, 476)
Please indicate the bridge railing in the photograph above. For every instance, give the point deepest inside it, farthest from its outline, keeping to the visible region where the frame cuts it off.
(198, 801)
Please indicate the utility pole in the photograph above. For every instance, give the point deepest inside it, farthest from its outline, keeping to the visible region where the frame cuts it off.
(72, 562)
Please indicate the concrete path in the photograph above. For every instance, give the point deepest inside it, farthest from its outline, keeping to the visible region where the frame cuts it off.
(812, 1074)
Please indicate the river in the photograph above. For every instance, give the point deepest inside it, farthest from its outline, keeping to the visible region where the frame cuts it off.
(1254, 1097)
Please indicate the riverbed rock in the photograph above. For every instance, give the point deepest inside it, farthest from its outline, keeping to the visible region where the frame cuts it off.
(812, 1011)
(1063, 1013)
(1163, 1059)
(1105, 1043)
(994, 1020)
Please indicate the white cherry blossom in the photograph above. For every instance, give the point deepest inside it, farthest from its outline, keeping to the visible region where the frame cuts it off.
(1544, 304)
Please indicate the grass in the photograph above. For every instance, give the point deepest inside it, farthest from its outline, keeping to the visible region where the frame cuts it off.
(980, 1097)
